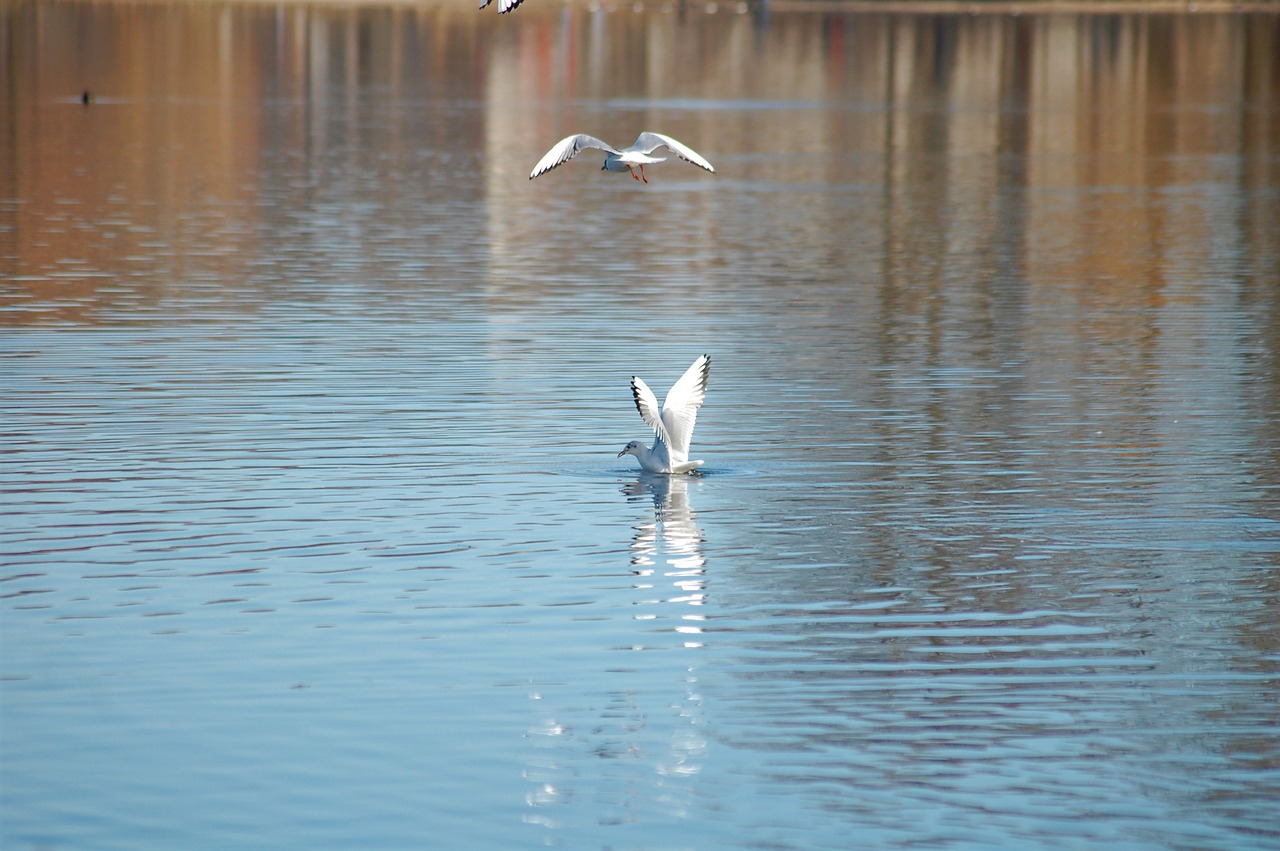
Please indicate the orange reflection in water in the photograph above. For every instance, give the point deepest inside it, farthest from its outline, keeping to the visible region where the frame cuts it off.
(1056, 133)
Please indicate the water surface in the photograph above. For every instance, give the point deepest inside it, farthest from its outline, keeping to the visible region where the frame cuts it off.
(313, 533)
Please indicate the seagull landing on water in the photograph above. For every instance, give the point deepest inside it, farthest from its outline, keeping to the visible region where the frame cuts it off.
(674, 425)
(631, 159)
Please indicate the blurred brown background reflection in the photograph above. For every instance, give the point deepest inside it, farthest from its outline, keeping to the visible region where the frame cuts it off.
(960, 128)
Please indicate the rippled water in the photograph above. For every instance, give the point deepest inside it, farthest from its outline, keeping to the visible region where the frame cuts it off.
(313, 533)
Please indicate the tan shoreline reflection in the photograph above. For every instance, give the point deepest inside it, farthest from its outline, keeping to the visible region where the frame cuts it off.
(212, 133)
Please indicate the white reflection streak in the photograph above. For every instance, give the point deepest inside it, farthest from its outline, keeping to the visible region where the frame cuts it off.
(674, 533)
(542, 772)
(673, 538)
(667, 544)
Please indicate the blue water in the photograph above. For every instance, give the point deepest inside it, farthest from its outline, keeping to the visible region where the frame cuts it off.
(312, 527)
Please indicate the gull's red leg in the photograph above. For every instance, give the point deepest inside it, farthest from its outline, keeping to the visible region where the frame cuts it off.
(642, 177)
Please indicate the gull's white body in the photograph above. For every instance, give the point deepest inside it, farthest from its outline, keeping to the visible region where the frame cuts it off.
(629, 159)
(673, 425)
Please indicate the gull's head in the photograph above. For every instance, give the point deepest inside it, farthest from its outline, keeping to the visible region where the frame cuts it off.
(632, 448)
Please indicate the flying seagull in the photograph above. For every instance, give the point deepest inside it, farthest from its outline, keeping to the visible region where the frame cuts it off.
(504, 6)
(628, 159)
(674, 425)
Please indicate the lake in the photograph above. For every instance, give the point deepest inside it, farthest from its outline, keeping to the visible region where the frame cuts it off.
(313, 532)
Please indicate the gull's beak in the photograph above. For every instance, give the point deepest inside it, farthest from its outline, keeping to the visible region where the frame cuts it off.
(623, 452)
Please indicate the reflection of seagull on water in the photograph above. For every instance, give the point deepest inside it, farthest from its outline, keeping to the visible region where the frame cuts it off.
(674, 527)
(627, 159)
(674, 424)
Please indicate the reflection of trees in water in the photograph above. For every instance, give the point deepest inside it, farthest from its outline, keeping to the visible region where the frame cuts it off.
(317, 126)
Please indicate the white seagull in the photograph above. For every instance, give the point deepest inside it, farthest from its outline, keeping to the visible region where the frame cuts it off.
(627, 159)
(504, 6)
(674, 425)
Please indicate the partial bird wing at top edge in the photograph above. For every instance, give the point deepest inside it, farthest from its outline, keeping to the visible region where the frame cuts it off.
(680, 409)
(649, 142)
(566, 149)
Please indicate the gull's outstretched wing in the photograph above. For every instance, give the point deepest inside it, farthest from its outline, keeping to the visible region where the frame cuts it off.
(504, 6)
(680, 409)
(566, 149)
(649, 142)
(647, 405)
